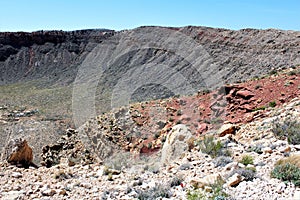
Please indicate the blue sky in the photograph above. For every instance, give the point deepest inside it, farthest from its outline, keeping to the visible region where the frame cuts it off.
(32, 15)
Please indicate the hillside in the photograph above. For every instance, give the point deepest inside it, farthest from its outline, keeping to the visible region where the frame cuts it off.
(40, 68)
(162, 149)
(119, 114)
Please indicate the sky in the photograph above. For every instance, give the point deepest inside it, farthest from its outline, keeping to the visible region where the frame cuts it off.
(33, 15)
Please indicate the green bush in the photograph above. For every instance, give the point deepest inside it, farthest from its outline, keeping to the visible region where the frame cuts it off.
(246, 160)
(195, 195)
(217, 190)
(260, 108)
(211, 147)
(287, 172)
(272, 104)
(289, 129)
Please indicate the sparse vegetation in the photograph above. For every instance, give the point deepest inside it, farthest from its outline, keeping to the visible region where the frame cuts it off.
(176, 181)
(156, 135)
(52, 102)
(222, 161)
(288, 170)
(212, 147)
(248, 173)
(260, 108)
(157, 191)
(246, 160)
(195, 195)
(179, 112)
(272, 104)
(289, 128)
(217, 192)
(257, 149)
(273, 72)
(171, 119)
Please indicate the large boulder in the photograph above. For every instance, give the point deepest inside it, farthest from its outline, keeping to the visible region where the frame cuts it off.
(19, 153)
(227, 129)
(205, 181)
(177, 142)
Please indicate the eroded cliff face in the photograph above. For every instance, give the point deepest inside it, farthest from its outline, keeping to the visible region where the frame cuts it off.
(233, 55)
(54, 55)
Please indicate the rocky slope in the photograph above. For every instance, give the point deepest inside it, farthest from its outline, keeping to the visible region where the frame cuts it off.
(157, 149)
(141, 127)
(192, 174)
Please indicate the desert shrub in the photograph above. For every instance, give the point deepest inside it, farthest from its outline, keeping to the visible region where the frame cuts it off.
(222, 161)
(289, 129)
(179, 122)
(179, 112)
(257, 148)
(171, 119)
(176, 181)
(273, 72)
(287, 172)
(288, 169)
(272, 104)
(195, 195)
(156, 135)
(293, 159)
(260, 108)
(211, 147)
(157, 191)
(246, 160)
(217, 192)
(251, 168)
(248, 174)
